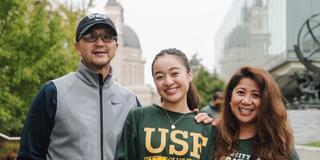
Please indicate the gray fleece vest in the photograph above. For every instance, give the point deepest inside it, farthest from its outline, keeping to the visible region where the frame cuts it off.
(76, 132)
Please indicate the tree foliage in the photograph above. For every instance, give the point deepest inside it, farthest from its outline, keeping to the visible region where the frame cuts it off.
(195, 63)
(207, 83)
(35, 47)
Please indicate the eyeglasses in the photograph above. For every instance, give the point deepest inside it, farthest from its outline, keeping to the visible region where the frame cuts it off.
(92, 37)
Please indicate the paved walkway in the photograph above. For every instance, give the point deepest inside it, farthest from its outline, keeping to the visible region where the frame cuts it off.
(305, 124)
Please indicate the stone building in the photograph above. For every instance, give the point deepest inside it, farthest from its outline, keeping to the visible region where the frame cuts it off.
(129, 64)
(263, 33)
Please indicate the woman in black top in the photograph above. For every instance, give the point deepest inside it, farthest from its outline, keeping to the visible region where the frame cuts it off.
(254, 123)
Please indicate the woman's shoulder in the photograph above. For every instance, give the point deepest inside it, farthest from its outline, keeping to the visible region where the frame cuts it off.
(145, 109)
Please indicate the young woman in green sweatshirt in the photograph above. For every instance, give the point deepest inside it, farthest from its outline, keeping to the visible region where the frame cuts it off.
(168, 130)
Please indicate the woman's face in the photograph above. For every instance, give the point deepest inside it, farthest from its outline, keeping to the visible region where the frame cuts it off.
(171, 79)
(246, 101)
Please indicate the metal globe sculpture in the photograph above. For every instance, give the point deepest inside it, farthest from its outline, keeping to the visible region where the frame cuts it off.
(308, 45)
(308, 53)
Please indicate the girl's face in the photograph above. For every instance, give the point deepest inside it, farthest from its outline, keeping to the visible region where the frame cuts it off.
(246, 101)
(171, 79)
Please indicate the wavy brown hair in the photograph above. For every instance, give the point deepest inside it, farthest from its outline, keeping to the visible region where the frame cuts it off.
(274, 136)
(193, 98)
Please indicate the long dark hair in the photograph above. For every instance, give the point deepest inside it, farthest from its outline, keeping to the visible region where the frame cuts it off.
(192, 94)
(274, 137)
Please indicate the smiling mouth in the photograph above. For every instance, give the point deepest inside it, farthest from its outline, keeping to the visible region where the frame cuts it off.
(171, 90)
(245, 111)
(100, 53)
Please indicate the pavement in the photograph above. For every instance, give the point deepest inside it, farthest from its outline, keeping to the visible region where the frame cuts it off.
(305, 124)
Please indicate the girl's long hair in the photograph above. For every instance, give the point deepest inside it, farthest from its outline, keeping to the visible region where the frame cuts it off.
(274, 137)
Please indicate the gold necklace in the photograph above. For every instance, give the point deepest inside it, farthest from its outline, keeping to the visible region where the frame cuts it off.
(173, 126)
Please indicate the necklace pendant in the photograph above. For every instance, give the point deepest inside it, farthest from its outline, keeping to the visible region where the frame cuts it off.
(173, 126)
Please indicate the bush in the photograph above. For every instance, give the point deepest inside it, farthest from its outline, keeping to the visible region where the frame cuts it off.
(9, 150)
(314, 144)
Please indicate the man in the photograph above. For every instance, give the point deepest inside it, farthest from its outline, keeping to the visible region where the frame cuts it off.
(213, 108)
(80, 115)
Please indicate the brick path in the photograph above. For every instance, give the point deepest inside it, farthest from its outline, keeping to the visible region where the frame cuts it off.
(305, 124)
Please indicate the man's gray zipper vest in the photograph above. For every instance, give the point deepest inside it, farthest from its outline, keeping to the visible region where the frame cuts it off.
(87, 119)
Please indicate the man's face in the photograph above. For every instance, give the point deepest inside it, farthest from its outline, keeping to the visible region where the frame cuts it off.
(97, 54)
(218, 102)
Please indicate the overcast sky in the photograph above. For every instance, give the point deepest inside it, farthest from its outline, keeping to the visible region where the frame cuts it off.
(188, 25)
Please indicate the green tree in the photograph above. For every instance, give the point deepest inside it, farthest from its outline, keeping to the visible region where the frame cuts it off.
(206, 82)
(34, 48)
(195, 63)
(73, 14)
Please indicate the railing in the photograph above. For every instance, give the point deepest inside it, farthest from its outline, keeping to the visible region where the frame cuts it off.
(5, 137)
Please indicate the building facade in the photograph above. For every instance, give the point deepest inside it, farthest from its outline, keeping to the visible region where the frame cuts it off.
(263, 33)
(128, 63)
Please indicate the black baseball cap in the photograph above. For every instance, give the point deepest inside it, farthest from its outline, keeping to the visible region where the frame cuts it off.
(91, 20)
